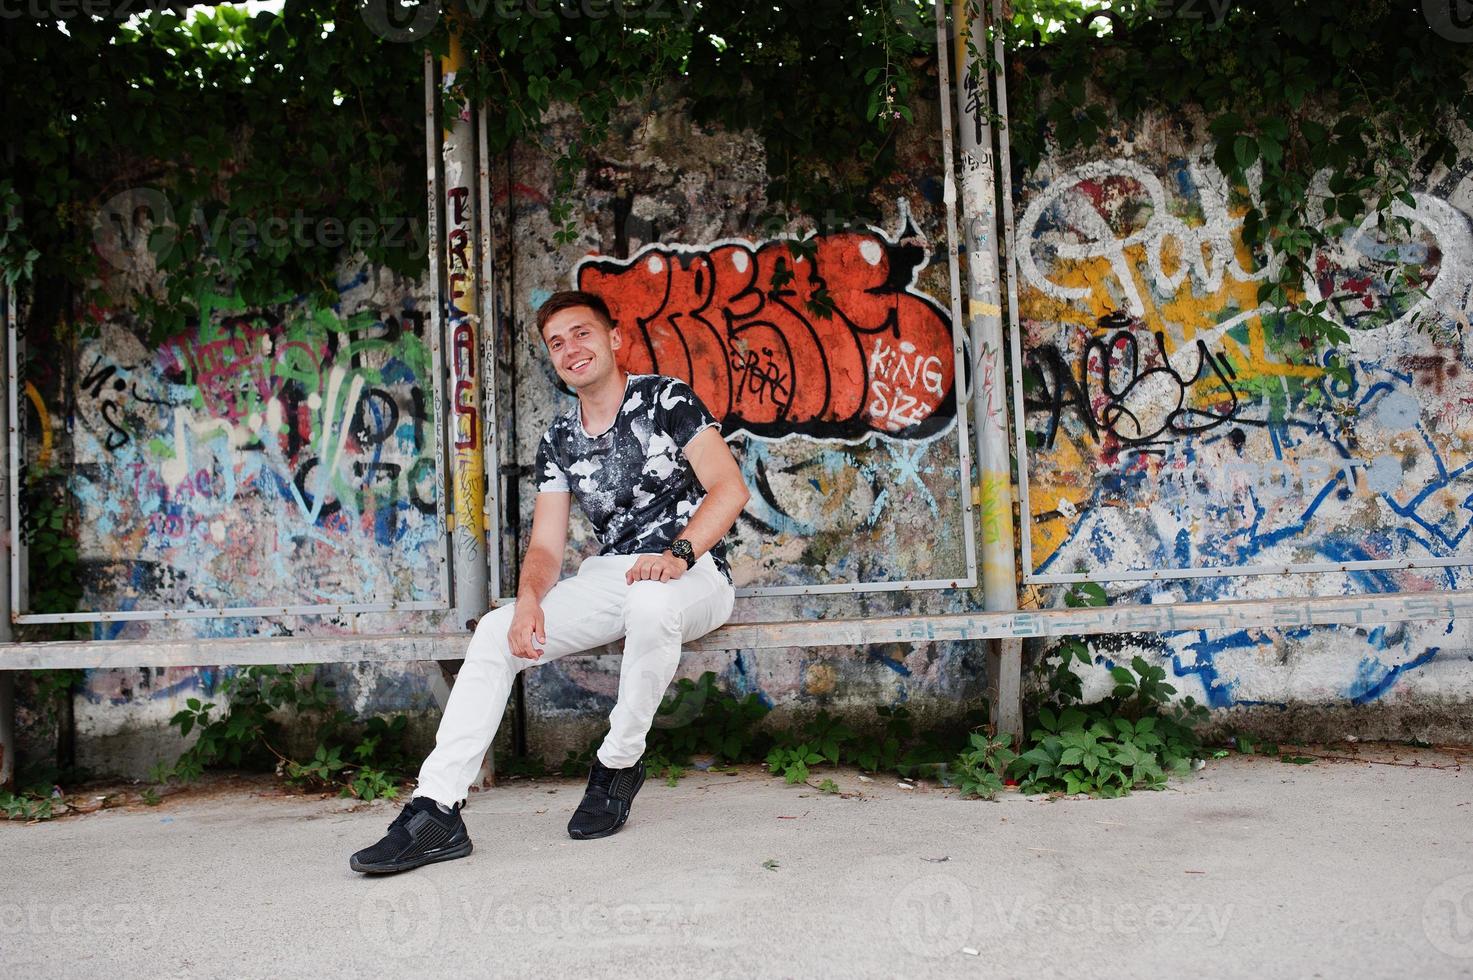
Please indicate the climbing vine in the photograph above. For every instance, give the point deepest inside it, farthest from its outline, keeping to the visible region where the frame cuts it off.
(274, 143)
(194, 151)
(1322, 116)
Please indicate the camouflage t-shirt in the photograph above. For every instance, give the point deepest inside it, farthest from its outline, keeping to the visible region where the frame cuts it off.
(633, 481)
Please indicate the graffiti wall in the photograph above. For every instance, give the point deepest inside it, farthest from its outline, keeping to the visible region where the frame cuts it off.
(824, 348)
(1173, 423)
(832, 344)
(826, 352)
(1176, 424)
(1153, 373)
(263, 457)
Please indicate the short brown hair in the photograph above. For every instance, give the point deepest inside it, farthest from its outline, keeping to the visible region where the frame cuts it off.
(566, 300)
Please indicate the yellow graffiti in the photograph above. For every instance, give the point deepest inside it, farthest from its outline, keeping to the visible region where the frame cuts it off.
(995, 507)
(43, 460)
(1182, 318)
(1053, 505)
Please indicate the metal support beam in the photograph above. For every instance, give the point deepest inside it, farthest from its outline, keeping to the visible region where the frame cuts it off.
(994, 494)
(9, 434)
(1218, 616)
(464, 423)
(1010, 652)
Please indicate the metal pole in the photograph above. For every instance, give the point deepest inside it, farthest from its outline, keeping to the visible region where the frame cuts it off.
(988, 375)
(464, 422)
(490, 331)
(8, 435)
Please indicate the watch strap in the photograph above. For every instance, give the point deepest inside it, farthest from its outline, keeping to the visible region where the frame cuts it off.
(686, 553)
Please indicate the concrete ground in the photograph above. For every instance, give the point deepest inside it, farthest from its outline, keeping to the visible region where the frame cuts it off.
(1250, 867)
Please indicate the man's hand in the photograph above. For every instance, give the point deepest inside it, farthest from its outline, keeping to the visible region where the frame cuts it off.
(663, 567)
(526, 623)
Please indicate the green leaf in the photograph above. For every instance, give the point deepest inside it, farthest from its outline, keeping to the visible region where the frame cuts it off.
(1245, 151)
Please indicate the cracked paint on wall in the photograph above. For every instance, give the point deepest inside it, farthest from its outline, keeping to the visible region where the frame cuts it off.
(265, 456)
(1175, 423)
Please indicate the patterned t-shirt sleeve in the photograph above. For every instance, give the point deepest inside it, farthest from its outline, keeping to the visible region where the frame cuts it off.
(550, 476)
(680, 412)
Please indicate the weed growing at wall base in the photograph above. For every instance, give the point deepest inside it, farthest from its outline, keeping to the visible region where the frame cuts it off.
(365, 759)
(1133, 739)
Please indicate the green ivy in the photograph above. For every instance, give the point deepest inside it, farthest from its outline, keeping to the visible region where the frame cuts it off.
(364, 759)
(1364, 91)
(235, 128)
(230, 121)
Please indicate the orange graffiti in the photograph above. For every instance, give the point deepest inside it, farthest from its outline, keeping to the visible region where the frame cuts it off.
(744, 325)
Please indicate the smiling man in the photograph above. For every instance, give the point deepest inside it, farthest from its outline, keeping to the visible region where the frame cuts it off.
(646, 462)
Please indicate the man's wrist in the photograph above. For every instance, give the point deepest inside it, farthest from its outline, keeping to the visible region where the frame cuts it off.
(682, 548)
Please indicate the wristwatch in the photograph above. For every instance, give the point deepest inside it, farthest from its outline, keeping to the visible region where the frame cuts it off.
(682, 548)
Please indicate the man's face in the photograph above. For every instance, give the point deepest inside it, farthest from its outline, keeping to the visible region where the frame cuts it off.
(581, 346)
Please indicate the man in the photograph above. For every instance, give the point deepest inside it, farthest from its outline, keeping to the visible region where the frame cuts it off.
(636, 451)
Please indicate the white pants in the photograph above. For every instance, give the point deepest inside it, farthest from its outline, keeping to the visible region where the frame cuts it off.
(592, 608)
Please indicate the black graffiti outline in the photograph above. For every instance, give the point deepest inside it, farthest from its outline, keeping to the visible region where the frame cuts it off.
(1119, 354)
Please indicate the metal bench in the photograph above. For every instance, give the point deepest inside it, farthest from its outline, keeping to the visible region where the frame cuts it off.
(1004, 691)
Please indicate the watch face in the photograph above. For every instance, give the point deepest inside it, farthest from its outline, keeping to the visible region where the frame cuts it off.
(682, 549)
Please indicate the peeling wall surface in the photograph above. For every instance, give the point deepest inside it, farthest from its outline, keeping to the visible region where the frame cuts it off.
(1175, 423)
(265, 458)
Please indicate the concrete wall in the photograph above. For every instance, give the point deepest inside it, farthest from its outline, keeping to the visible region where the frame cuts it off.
(845, 427)
(1177, 424)
(267, 456)
(271, 456)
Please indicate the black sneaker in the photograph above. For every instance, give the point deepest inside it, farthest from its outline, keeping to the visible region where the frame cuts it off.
(421, 834)
(605, 805)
